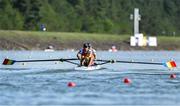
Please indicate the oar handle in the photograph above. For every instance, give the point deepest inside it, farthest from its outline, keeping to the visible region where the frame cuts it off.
(71, 62)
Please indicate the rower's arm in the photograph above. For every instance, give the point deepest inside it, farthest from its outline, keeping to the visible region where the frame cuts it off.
(94, 56)
(79, 56)
(94, 53)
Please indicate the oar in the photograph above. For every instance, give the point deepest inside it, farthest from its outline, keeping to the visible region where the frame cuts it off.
(103, 63)
(169, 64)
(11, 62)
(71, 62)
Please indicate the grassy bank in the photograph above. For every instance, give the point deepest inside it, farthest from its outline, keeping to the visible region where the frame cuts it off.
(28, 40)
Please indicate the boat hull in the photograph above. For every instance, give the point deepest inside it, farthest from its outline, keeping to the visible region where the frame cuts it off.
(97, 67)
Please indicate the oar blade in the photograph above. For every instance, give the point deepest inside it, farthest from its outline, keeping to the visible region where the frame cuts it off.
(8, 62)
(170, 64)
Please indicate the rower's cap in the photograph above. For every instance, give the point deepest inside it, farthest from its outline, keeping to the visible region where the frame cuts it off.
(89, 45)
(85, 45)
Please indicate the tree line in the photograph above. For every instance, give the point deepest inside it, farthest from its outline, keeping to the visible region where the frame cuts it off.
(158, 17)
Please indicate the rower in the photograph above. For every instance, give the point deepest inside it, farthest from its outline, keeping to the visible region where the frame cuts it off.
(85, 55)
(93, 53)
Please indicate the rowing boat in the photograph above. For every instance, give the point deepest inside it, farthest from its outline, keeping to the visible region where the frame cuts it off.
(90, 68)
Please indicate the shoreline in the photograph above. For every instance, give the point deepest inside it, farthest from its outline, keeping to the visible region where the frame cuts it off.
(26, 40)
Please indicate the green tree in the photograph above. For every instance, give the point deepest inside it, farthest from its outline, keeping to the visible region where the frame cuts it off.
(9, 18)
(30, 10)
(99, 16)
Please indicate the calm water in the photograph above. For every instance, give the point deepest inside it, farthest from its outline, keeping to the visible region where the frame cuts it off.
(46, 82)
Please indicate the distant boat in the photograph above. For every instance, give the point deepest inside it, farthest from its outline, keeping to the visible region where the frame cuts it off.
(49, 49)
(113, 49)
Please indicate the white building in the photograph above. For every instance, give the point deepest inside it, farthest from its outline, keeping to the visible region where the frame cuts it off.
(138, 39)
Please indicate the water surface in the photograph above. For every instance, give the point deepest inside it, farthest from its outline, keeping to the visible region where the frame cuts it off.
(45, 83)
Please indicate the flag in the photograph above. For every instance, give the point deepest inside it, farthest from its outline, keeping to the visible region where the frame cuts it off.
(170, 64)
(8, 62)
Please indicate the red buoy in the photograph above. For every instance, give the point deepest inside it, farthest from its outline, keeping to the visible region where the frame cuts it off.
(71, 84)
(127, 81)
(173, 76)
